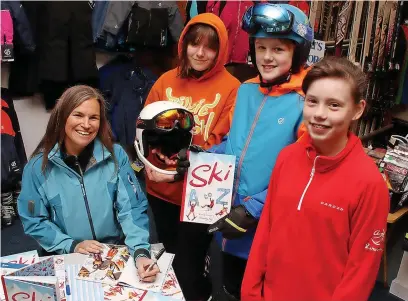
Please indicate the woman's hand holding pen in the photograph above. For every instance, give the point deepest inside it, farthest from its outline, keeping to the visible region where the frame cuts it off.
(146, 274)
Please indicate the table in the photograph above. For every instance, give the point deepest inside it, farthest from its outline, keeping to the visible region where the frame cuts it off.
(391, 220)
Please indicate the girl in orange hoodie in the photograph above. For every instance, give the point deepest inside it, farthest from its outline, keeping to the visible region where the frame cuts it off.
(206, 88)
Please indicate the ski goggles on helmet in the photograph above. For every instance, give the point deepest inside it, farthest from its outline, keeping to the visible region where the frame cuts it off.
(168, 120)
(274, 19)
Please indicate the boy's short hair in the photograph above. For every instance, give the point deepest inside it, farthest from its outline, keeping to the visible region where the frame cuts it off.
(338, 67)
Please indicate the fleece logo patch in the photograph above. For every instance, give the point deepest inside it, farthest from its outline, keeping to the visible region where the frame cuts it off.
(376, 241)
(331, 206)
(130, 180)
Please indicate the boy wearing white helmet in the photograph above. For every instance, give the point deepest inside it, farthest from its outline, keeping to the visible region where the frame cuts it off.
(266, 118)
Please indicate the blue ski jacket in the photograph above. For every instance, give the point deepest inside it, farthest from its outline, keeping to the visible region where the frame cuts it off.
(264, 122)
(53, 209)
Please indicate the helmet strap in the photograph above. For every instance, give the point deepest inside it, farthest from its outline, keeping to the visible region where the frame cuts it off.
(278, 81)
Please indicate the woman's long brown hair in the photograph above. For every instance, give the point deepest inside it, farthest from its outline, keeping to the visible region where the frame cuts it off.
(55, 132)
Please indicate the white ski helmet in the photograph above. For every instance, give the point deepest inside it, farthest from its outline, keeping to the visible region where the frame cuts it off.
(164, 124)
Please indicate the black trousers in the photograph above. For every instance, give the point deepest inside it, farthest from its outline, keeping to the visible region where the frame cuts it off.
(233, 273)
(53, 90)
(189, 242)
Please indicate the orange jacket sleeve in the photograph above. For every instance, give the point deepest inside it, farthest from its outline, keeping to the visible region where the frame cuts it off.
(301, 131)
(223, 124)
(252, 284)
(368, 225)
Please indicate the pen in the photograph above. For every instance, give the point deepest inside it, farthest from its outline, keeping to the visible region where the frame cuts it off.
(67, 287)
(156, 258)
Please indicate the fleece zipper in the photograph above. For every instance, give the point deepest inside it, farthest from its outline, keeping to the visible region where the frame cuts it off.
(241, 159)
(312, 173)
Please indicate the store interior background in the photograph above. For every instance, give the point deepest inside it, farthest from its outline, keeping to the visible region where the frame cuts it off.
(33, 120)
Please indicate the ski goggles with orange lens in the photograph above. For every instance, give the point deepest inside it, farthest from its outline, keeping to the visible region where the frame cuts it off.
(168, 120)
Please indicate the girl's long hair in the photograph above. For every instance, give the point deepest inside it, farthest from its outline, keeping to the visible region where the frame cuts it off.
(195, 34)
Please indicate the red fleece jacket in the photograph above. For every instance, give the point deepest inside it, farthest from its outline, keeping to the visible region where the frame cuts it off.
(321, 233)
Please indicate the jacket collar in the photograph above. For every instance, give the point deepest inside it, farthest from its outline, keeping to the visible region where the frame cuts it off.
(324, 163)
(294, 84)
(100, 152)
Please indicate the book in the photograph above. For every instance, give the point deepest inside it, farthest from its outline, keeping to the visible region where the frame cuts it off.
(29, 257)
(88, 290)
(14, 262)
(115, 266)
(43, 280)
(208, 185)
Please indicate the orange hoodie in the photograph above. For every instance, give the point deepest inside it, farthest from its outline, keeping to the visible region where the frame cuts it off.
(210, 98)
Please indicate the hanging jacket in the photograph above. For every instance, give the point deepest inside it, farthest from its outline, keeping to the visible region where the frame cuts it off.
(264, 122)
(209, 98)
(10, 163)
(231, 13)
(65, 45)
(6, 29)
(194, 8)
(152, 20)
(53, 208)
(20, 23)
(321, 234)
(11, 112)
(116, 14)
(125, 87)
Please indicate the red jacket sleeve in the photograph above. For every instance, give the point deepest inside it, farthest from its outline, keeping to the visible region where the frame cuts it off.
(252, 284)
(368, 225)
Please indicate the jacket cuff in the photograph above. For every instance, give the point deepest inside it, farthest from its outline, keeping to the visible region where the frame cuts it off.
(73, 246)
(141, 253)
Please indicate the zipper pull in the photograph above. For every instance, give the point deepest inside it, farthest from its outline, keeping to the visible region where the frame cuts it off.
(78, 166)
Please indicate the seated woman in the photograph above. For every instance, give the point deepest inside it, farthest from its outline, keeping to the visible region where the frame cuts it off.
(78, 188)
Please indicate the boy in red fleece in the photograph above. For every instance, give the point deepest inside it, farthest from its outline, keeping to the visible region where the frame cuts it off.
(322, 230)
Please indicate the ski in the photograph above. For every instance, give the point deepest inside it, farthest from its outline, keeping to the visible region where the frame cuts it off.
(342, 26)
(367, 35)
(404, 69)
(383, 40)
(378, 25)
(358, 11)
(390, 36)
(397, 28)
(327, 20)
(313, 13)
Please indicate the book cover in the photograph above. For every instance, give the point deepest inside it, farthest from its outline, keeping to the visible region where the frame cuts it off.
(29, 257)
(49, 272)
(208, 188)
(23, 290)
